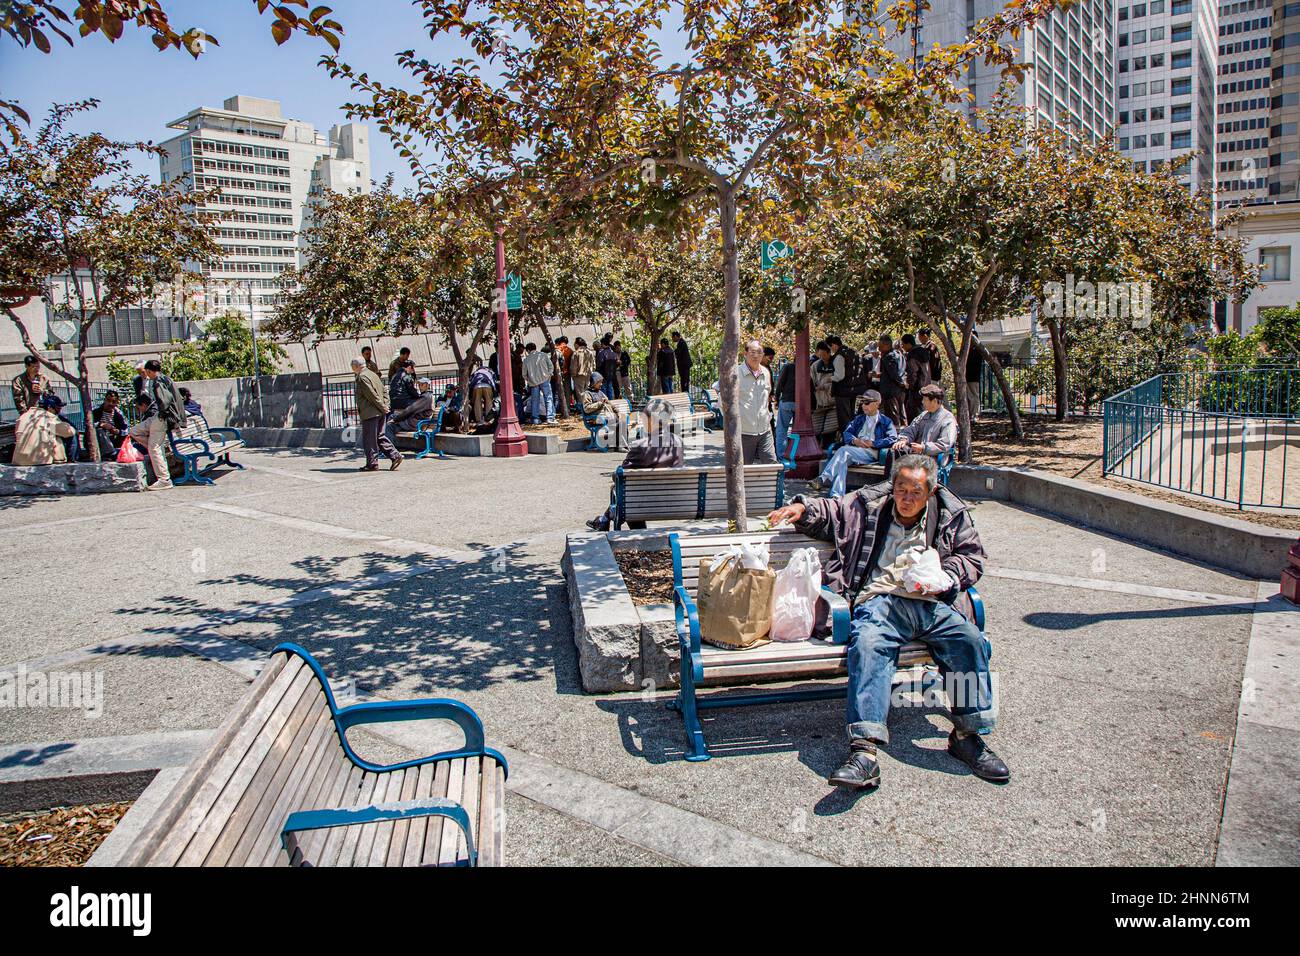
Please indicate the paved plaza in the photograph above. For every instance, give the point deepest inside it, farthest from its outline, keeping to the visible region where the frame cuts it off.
(1119, 668)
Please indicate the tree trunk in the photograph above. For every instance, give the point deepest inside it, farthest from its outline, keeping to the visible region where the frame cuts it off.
(728, 380)
(646, 309)
(957, 362)
(1060, 369)
(1008, 399)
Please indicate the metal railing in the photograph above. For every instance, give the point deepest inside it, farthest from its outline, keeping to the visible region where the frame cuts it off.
(1231, 436)
(72, 401)
(339, 401)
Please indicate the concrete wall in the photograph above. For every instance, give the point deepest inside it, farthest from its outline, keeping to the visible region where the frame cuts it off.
(287, 401)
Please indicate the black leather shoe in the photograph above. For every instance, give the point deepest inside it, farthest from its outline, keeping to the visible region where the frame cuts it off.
(368, 468)
(396, 463)
(859, 772)
(976, 754)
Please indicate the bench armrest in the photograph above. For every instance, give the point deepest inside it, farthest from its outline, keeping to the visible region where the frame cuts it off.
(976, 606)
(203, 449)
(839, 615)
(436, 422)
(234, 431)
(434, 708)
(688, 620)
(400, 810)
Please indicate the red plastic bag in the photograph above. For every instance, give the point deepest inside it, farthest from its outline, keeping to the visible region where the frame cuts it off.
(127, 454)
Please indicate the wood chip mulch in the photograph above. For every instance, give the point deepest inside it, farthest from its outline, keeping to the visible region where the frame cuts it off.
(649, 575)
(565, 428)
(64, 836)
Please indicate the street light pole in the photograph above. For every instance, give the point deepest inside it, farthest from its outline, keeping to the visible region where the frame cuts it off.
(509, 440)
(257, 368)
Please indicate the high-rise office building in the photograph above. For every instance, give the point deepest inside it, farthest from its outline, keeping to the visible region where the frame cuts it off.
(1242, 140)
(1071, 55)
(268, 169)
(1168, 58)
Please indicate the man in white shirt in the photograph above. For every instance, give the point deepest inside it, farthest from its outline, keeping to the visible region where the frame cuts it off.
(755, 388)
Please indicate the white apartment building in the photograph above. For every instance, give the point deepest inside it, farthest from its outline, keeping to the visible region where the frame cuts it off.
(1244, 100)
(268, 169)
(1168, 61)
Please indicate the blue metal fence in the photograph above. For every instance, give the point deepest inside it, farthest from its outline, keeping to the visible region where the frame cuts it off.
(1231, 436)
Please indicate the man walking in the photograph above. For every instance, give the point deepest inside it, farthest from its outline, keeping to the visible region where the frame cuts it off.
(683, 353)
(755, 387)
(974, 372)
(372, 408)
(168, 413)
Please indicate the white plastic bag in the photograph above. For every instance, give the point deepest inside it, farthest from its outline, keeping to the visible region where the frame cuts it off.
(752, 557)
(925, 575)
(794, 597)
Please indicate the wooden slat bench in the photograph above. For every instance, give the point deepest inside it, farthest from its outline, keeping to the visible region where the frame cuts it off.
(691, 493)
(627, 428)
(197, 441)
(686, 420)
(428, 429)
(778, 661)
(281, 786)
(712, 402)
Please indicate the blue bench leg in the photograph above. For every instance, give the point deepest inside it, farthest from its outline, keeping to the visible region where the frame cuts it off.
(225, 460)
(696, 749)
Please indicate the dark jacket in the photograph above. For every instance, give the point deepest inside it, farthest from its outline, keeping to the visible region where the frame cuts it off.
(891, 374)
(974, 364)
(402, 390)
(936, 362)
(785, 385)
(666, 451)
(606, 363)
(918, 369)
(26, 393)
(860, 520)
(665, 363)
(166, 401)
(683, 353)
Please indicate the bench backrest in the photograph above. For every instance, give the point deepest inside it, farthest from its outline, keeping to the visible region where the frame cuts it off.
(196, 426)
(276, 754)
(689, 549)
(648, 494)
(680, 403)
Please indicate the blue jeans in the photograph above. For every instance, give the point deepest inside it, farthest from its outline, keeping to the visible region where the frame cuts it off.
(837, 467)
(607, 387)
(784, 419)
(883, 624)
(541, 403)
(666, 384)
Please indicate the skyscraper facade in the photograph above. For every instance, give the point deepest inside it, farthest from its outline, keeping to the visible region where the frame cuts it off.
(268, 169)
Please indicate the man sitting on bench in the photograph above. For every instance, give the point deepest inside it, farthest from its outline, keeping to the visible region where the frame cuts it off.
(877, 537)
(660, 448)
(931, 433)
(417, 410)
(866, 441)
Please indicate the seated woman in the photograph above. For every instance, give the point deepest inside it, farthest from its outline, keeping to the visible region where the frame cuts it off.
(660, 448)
(594, 402)
(866, 441)
(40, 434)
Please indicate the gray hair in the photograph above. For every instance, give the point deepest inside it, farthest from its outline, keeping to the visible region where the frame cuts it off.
(920, 463)
(358, 363)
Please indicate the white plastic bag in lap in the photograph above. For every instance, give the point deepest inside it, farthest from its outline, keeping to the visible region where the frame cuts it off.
(794, 596)
(926, 574)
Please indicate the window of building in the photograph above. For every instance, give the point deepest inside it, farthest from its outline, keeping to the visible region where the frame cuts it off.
(1139, 89)
(1157, 60)
(1157, 139)
(1123, 66)
(1276, 263)
(1158, 112)
(1157, 86)
(1123, 39)
(1180, 32)
(1139, 116)
(1139, 63)
(1123, 142)
(1139, 10)
(1157, 33)
(1156, 6)
(1181, 139)
(1123, 118)
(1181, 87)
(1180, 60)
(1181, 113)
(1139, 142)
(1123, 92)
(1139, 36)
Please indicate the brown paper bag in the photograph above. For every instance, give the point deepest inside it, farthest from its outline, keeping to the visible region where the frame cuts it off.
(734, 604)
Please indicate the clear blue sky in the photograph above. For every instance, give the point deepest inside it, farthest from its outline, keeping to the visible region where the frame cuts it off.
(141, 89)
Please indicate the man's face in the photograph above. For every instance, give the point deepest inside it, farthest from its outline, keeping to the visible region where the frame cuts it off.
(110, 402)
(885, 347)
(150, 374)
(754, 355)
(910, 492)
(931, 404)
(869, 408)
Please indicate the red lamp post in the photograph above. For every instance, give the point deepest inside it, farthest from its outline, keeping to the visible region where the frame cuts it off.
(509, 440)
(808, 456)
(1291, 574)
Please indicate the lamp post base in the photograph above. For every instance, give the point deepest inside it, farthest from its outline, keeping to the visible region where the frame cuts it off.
(509, 441)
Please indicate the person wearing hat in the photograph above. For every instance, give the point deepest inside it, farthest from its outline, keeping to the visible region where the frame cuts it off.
(931, 433)
(867, 439)
(29, 384)
(418, 409)
(40, 433)
(594, 402)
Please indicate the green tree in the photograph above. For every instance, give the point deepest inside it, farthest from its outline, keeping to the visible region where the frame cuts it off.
(224, 349)
(70, 205)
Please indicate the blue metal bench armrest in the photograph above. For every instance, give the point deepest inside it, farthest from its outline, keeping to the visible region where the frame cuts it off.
(792, 440)
(238, 436)
(688, 619)
(203, 449)
(839, 615)
(435, 708)
(977, 607)
(401, 810)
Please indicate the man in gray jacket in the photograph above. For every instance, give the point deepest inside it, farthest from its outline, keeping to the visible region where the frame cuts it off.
(931, 433)
(878, 535)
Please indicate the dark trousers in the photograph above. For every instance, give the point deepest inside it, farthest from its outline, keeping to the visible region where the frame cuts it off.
(374, 441)
(685, 376)
(895, 408)
(843, 411)
(914, 405)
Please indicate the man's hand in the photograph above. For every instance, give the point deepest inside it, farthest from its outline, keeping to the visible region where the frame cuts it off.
(916, 449)
(791, 513)
(860, 443)
(900, 444)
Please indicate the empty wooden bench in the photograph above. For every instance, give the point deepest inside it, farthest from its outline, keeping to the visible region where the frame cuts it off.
(686, 419)
(692, 493)
(778, 661)
(197, 441)
(281, 786)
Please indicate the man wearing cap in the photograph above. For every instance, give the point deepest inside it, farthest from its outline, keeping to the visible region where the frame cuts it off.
(867, 439)
(931, 433)
(28, 384)
(420, 408)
